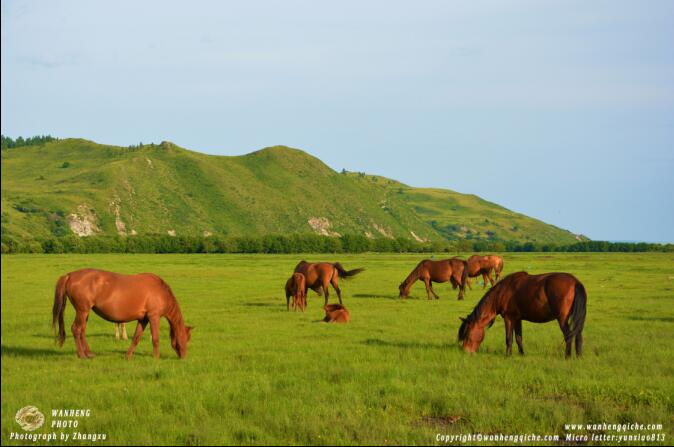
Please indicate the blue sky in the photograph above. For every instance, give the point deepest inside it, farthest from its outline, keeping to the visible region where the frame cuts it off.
(562, 110)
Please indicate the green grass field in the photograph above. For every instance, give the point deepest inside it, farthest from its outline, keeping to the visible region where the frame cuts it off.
(257, 374)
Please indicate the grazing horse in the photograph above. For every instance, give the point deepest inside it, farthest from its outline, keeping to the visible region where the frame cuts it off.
(119, 298)
(484, 265)
(536, 298)
(296, 287)
(428, 271)
(320, 275)
(336, 313)
(121, 328)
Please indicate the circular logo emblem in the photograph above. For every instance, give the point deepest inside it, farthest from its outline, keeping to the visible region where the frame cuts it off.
(29, 418)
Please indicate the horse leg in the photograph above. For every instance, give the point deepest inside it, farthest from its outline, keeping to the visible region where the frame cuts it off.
(491, 280)
(468, 280)
(509, 336)
(518, 336)
(83, 336)
(567, 337)
(484, 281)
(335, 284)
(136, 337)
(427, 282)
(154, 329)
(76, 328)
(125, 336)
(116, 331)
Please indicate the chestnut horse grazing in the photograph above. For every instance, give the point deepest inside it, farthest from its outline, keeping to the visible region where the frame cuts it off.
(428, 271)
(536, 298)
(119, 298)
(336, 313)
(320, 275)
(484, 265)
(296, 287)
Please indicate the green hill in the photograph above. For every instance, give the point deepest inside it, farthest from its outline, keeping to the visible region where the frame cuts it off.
(79, 186)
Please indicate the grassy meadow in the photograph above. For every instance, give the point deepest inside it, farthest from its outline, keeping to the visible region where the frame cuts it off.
(256, 374)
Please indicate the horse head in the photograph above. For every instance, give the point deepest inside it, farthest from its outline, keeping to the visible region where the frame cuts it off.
(179, 339)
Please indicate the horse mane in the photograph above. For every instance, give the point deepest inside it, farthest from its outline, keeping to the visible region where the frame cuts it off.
(416, 270)
(474, 316)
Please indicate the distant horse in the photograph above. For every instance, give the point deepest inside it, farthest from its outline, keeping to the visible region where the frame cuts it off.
(336, 313)
(121, 328)
(428, 271)
(484, 265)
(536, 298)
(119, 298)
(320, 275)
(296, 287)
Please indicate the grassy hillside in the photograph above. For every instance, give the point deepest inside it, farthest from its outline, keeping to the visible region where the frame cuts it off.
(80, 186)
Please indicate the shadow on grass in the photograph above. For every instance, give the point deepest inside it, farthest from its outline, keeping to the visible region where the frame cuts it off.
(409, 345)
(22, 351)
(368, 295)
(643, 318)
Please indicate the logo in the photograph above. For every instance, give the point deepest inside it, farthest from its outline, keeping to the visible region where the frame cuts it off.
(29, 418)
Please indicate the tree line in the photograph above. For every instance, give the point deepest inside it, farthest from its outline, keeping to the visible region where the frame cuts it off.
(298, 243)
(8, 142)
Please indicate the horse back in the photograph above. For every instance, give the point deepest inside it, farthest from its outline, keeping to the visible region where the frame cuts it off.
(540, 298)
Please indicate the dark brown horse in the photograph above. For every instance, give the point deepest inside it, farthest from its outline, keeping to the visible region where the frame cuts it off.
(320, 275)
(428, 271)
(296, 288)
(484, 265)
(536, 298)
(119, 298)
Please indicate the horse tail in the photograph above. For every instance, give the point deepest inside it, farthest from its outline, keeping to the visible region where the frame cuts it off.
(464, 275)
(578, 310)
(59, 307)
(344, 273)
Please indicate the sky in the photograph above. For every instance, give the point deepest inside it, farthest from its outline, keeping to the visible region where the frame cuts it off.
(561, 110)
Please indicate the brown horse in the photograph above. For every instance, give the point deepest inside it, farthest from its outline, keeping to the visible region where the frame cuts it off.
(453, 270)
(484, 265)
(336, 313)
(119, 298)
(320, 275)
(296, 287)
(536, 298)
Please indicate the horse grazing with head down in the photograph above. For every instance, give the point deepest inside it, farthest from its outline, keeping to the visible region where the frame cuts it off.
(428, 271)
(320, 275)
(119, 298)
(296, 287)
(536, 298)
(484, 265)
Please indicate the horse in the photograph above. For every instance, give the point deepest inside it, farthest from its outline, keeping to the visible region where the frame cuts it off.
(320, 275)
(453, 270)
(121, 328)
(119, 298)
(536, 298)
(296, 287)
(336, 313)
(484, 265)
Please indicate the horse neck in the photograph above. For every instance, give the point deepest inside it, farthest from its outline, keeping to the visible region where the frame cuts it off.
(413, 276)
(488, 307)
(174, 316)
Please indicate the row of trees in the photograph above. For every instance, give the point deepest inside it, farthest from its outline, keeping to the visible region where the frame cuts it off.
(297, 243)
(8, 142)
